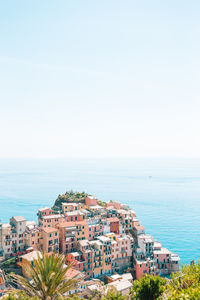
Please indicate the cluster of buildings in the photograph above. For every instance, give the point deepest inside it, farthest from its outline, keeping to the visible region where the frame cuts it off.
(101, 241)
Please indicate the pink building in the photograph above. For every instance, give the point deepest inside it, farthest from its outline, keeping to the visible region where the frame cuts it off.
(82, 261)
(162, 257)
(95, 230)
(144, 266)
(116, 205)
(44, 211)
(74, 216)
(91, 200)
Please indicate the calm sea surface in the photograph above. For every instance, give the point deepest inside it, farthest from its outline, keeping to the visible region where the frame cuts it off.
(164, 193)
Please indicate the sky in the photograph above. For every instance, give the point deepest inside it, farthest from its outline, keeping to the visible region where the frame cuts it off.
(109, 78)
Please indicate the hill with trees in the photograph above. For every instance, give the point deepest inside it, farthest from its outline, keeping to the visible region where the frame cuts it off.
(69, 196)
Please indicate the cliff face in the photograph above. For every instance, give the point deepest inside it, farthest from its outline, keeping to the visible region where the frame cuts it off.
(69, 196)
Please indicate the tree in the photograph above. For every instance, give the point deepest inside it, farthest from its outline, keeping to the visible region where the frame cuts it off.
(184, 284)
(113, 294)
(47, 277)
(148, 287)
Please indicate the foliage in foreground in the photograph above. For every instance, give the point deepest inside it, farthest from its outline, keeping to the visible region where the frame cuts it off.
(47, 277)
(184, 285)
(18, 296)
(148, 287)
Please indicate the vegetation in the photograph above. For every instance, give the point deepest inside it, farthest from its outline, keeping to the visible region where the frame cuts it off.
(9, 262)
(148, 287)
(18, 296)
(48, 282)
(69, 196)
(47, 277)
(184, 284)
(101, 203)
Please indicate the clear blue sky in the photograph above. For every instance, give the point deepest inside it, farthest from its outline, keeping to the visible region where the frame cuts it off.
(99, 78)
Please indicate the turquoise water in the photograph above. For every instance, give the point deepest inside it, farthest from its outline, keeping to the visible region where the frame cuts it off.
(165, 193)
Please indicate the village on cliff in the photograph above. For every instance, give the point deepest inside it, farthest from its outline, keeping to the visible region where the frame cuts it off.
(104, 241)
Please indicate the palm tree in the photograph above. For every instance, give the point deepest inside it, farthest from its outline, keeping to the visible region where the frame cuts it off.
(47, 277)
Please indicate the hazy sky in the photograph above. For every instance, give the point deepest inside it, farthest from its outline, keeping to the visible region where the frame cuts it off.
(99, 78)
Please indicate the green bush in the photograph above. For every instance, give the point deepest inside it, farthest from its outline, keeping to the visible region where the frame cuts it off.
(148, 287)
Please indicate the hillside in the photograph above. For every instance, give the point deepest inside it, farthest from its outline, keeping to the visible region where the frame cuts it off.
(69, 196)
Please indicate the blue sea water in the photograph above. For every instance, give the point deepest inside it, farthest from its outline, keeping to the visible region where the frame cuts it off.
(164, 193)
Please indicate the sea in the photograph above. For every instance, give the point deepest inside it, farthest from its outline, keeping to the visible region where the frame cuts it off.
(164, 192)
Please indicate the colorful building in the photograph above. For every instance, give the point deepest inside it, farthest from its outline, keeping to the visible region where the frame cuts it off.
(114, 225)
(91, 200)
(74, 216)
(51, 220)
(70, 206)
(50, 239)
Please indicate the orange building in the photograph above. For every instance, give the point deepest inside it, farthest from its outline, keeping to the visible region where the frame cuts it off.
(50, 239)
(51, 220)
(68, 206)
(70, 233)
(67, 236)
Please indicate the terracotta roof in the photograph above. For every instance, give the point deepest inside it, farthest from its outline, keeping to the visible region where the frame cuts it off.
(49, 229)
(72, 272)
